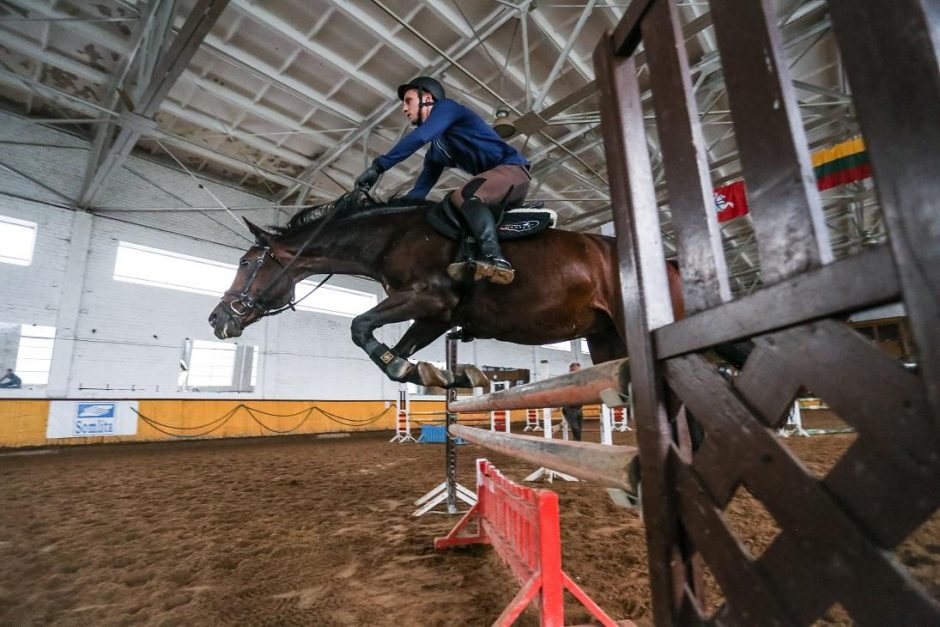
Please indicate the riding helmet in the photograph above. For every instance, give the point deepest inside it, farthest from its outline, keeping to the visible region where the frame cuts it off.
(424, 83)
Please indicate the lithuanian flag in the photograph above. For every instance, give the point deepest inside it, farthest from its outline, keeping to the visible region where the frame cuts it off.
(843, 163)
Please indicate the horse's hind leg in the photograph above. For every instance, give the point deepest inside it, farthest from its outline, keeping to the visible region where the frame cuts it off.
(606, 347)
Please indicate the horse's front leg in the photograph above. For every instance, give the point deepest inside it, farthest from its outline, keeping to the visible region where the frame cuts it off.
(422, 333)
(399, 307)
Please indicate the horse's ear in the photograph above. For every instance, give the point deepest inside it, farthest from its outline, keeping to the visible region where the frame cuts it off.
(261, 236)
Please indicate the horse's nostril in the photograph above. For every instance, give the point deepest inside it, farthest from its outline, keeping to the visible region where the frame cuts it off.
(212, 317)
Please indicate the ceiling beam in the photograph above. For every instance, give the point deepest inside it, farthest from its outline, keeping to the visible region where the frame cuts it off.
(138, 118)
(494, 21)
(258, 13)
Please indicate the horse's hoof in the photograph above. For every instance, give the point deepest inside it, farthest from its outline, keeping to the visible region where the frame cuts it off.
(399, 369)
(470, 376)
(434, 377)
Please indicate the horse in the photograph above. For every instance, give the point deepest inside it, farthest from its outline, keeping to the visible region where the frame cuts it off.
(567, 285)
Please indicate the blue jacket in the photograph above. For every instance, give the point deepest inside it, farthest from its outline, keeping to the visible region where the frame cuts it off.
(459, 139)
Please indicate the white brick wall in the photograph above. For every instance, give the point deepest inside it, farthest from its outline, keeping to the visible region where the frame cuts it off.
(127, 336)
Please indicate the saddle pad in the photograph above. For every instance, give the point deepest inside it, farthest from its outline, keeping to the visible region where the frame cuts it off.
(516, 223)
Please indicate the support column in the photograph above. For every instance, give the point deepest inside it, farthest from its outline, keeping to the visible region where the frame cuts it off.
(73, 285)
(267, 361)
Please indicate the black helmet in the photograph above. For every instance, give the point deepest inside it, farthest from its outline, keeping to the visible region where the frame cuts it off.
(423, 83)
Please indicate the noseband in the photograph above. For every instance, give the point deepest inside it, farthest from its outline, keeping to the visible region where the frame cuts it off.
(243, 303)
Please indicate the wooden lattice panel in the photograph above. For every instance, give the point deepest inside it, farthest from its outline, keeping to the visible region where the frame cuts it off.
(836, 532)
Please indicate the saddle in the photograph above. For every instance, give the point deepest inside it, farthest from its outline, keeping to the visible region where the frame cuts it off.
(513, 223)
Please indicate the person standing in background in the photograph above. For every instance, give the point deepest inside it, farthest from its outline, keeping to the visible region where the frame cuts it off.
(10, 380)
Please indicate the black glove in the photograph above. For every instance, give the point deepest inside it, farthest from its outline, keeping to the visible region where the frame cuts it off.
(367, 180)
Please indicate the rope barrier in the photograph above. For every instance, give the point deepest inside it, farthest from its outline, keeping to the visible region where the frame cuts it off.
(217, 423)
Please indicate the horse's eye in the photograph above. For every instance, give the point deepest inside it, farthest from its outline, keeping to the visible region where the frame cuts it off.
(243, 262)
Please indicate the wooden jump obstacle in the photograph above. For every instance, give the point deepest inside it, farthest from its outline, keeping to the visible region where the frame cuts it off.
(837, 533)
(522, 525)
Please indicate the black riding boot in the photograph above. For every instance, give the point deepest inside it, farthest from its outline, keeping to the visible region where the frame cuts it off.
(491, 265)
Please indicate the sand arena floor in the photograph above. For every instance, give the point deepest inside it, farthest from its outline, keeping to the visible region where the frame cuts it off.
(306, 531)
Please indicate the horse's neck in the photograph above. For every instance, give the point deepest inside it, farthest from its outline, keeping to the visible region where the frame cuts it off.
(349, 247)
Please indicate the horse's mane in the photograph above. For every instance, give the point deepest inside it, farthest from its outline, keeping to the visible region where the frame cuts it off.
(349, 206)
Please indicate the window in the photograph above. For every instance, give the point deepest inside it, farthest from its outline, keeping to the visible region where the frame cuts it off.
(559, 346)
(329, 299)
(17, 240)
(161, 268)
(211, 364)
(218, 367)
(34, 355)
(584, 347)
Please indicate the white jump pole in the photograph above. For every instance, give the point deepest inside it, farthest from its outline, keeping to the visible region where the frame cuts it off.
(607, 436)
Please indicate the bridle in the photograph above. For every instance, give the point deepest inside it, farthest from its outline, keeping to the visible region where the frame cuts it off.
(243, 303)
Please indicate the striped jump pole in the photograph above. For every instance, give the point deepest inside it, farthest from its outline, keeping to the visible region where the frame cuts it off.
(613, 467)
(532, 420)
(403, 419)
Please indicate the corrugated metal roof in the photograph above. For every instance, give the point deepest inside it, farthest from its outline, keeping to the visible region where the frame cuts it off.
(286, 96)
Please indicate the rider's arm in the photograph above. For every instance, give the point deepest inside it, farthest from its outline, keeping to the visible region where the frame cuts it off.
(443, 115)
(426, 180)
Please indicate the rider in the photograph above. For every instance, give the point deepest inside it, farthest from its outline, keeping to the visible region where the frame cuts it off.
(459, 138)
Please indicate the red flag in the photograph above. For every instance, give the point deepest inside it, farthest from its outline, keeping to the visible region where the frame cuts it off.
(730, 201)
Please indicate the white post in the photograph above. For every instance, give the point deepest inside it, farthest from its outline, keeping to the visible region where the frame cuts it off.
(795, 421)
(607, 436)
(629, 415)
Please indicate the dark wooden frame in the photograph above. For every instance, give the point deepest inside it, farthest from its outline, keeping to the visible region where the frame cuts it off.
(836, 532)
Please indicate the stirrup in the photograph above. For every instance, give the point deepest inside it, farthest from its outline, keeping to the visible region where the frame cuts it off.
(495, 270)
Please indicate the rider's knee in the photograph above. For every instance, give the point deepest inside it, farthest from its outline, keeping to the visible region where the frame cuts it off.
(469, 191)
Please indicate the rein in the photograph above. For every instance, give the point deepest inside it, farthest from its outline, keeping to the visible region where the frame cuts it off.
(244, 303)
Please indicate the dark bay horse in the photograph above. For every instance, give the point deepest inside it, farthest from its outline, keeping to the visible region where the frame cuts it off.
(567, 285)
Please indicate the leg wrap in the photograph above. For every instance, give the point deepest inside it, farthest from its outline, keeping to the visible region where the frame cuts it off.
(391, 364)
(379, 352)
